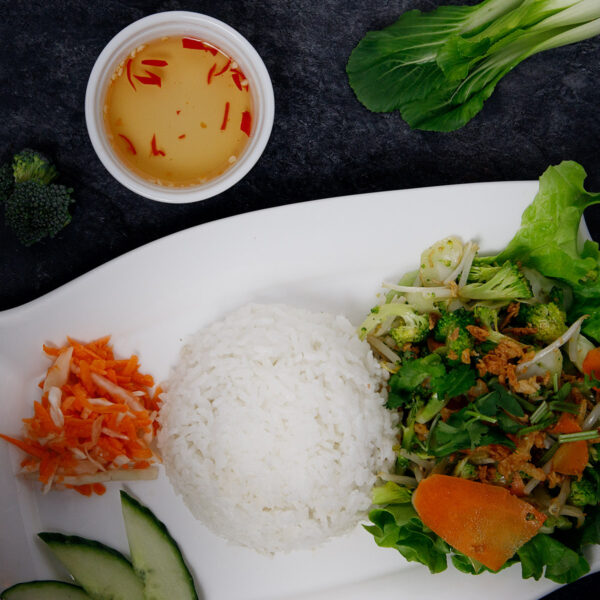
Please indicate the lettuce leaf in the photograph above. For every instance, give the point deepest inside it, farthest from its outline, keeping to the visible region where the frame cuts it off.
(545, 555)
(398, 526)
(548, 240)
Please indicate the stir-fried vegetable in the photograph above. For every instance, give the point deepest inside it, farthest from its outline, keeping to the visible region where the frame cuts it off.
(497, 400)
(94, 423)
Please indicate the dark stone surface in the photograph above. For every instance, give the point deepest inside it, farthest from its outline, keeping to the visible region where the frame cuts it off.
(324, 143)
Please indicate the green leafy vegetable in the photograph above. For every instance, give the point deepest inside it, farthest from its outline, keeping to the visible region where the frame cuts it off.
(561, 563)
(548, 240)
(398, 526)
(438, 68)
(391, 493)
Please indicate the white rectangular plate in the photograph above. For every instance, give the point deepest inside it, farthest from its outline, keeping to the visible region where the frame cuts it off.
(329, 255)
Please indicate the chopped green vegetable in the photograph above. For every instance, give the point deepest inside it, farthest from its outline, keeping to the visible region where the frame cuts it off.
(438, 68)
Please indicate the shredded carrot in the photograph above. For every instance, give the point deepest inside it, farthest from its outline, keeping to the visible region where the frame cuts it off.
(91, 427)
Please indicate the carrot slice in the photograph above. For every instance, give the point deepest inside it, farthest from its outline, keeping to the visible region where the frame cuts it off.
(566, 424)
(485, 522)
(591, 363)
(571, 457)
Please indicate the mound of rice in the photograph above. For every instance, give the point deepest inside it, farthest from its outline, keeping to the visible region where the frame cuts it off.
(273, 427)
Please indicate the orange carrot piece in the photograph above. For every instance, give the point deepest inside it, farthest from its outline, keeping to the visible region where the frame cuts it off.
(42, 415)
(50, 351)
(591, 363)
(566, 424)
(85, 375)
(485, 522)
(84, 490)
(571, 458)
(99, 488)
(30, 448)
(131, 366)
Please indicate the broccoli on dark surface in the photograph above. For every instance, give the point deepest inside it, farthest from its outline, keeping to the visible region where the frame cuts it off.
(29, 165)
(35, 211)
(7, 181)
(505, 283)
(548, 319)
(34, 208)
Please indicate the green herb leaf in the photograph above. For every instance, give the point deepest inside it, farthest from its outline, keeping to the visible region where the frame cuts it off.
(398, 526)
(561, 563)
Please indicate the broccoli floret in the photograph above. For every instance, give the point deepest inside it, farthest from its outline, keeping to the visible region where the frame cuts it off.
(449, 321)
(467, 471)
(7, 181)
(456, 345)
(486, 316)
(35, 210)
(451, 329)
(30, 165)
(505, 283)
(549, 320)
(407, 325)
(583, 492)
(410, 327)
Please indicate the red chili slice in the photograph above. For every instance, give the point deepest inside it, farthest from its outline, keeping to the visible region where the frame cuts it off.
(129, 74)
(210, 73)
(246, 124)
(155, 62)
(236, 80)
(225, 117)
(152, 79)
(194, 44)
(155, 150)
(181, 136)
(223, 69)
(131, 146)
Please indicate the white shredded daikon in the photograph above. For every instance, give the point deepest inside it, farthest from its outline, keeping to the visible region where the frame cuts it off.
(58, 373)
(383, 349)
(114, 434)
(439, 292)
(118, 391)
(54, 399)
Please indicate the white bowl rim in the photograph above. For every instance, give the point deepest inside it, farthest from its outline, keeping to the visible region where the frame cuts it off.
(184, 23)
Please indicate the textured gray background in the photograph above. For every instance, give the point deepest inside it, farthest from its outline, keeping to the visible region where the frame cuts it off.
(324, 143)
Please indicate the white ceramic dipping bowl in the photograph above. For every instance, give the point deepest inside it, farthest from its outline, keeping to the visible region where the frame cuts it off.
(184, 24)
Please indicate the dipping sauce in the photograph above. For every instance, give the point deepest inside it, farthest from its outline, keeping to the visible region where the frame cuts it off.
(178, 111)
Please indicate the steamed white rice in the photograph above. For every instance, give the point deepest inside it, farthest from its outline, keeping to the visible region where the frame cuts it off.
(273, 427)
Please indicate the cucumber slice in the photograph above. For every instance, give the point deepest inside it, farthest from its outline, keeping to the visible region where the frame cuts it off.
(44, 590)
(102, 572)
(155, 555)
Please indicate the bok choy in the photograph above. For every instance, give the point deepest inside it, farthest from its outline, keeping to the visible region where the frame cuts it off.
(438, 68)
